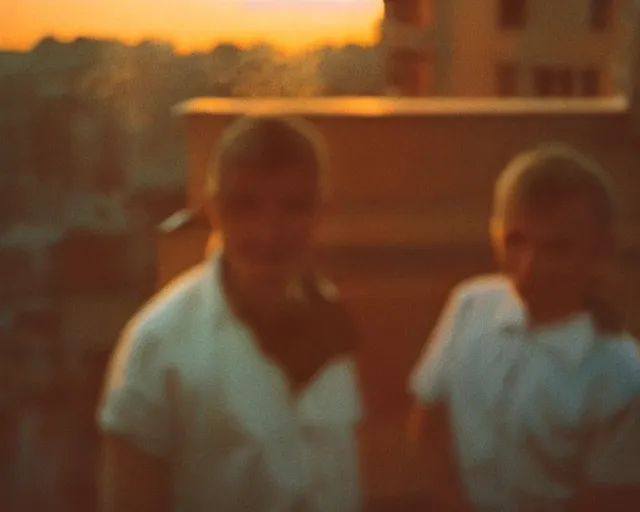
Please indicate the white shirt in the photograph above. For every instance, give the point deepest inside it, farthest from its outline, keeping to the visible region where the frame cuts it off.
(534, 413)
(189, 383)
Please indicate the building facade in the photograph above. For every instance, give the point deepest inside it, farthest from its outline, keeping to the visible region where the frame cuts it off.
(540, 48)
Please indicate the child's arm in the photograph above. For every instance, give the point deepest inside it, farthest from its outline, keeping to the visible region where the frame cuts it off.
(431, 432)
(134, 419)
(131, 480)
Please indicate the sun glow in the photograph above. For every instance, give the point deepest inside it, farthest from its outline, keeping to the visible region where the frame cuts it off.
(193, 24)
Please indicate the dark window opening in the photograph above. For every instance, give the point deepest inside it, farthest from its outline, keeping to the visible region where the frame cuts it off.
(564, 79)
(601, 14)
(513, 14)
(590, 82)
(543, 81)
(409, 73)
(507, 75)
(414, 12)
(553, 82)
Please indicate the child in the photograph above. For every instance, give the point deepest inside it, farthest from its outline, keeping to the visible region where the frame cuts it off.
(235, 389)
(526, 400)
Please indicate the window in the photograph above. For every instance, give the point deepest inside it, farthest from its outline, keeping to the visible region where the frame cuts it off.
(551, 81)
(426, 13)
(601, 14)
(507, 75)
(590, 78)
(414, 12)
(543, 81)
(513, 14)
(564, 82)
(410, 73)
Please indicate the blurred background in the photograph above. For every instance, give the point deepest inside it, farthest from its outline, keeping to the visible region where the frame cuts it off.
(94, 159)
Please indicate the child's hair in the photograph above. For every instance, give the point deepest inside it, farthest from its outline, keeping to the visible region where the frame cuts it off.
(554, 173)
(269, 143)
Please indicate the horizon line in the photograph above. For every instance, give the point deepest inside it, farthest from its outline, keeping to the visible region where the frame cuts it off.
(183, 49)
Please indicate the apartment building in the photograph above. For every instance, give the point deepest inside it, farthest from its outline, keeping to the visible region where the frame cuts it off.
(538, 48)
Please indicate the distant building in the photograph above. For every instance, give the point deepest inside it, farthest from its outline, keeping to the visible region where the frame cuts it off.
(16, 94)
(409, 38)
(504, 47)
(60, 142)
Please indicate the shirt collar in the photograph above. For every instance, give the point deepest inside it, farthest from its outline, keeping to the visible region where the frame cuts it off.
(299, 326)
(569, 340)
(511, 314)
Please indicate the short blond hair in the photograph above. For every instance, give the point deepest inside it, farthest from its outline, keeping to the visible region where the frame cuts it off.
(553, 173)
(269, 143)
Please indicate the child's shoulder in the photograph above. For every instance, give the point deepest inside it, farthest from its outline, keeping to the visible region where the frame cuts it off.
(485, 290)
(485, 284)
(172, 303)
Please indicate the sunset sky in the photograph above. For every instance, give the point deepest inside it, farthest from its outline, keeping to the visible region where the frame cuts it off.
(192, 24)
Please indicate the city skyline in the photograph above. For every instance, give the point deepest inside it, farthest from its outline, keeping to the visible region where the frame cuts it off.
(193, 25)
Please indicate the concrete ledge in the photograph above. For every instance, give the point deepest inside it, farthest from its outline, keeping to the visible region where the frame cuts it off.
(372, 107)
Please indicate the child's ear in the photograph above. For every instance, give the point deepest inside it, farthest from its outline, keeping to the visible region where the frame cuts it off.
(496, 229)
(496, 238)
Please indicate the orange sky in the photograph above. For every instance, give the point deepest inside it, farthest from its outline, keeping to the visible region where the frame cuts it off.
(192, 24)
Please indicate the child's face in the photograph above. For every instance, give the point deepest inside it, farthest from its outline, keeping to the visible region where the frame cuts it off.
(267, 220)
(551, 255)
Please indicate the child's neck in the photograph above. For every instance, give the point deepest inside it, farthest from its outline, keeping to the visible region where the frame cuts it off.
(257, 306)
